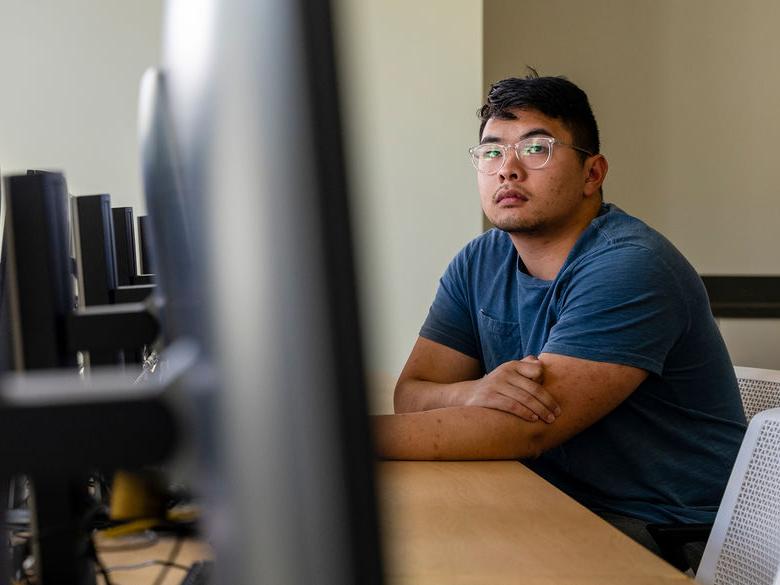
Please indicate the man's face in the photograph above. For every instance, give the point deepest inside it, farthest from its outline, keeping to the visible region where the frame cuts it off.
(538, 201)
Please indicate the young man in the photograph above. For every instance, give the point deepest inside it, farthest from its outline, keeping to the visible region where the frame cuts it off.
(632, 406)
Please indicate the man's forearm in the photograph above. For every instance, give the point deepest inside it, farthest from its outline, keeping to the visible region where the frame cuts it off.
(457, 433)
(419, 395)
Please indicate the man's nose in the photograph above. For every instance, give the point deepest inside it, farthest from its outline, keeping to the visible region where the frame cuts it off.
(512, 169)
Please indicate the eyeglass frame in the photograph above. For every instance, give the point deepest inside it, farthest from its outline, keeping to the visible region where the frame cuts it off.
(505, 147)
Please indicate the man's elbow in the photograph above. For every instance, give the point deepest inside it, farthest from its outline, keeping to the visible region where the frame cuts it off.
(542, 438)
(529, 445)
(511, 437)
(534, 447)
(402, 397)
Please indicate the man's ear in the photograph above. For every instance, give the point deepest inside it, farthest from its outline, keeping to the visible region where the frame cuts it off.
(596, 168)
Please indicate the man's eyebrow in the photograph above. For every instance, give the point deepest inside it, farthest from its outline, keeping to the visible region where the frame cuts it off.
(534, 132)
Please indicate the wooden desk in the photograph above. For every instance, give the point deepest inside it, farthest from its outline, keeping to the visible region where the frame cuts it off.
(474, 523)
(191, 551)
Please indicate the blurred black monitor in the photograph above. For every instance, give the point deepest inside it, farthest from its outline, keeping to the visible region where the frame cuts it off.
(168, 244)
(5, 328)
(124, 245)
(145, 245)
(245, 185)
(39, 285)
(5, 331)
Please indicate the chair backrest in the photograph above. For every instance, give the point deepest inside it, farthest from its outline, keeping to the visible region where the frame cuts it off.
(744, 546)
(760, 389)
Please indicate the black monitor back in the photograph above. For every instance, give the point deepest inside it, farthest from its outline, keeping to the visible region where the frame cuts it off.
(5, 323)
(169, 244)
(38, 264)
(95, 255)
(252, 93)
(145, 245)
(124, 245)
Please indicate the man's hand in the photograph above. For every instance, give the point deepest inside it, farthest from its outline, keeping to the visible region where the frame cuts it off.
(515, 387)
(436, 376)
(587, 392)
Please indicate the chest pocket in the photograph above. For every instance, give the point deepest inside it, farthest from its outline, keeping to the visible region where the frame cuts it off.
(501, 341)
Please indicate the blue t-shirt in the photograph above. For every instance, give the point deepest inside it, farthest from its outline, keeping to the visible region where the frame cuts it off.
(625, 295)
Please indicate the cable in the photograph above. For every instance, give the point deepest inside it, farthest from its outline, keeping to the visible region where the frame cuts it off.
(145, 539)
(103, 570)
(101, 567)
(171, 560)
(145, 564)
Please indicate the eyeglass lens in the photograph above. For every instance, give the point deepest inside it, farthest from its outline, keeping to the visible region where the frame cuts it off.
(533, 153)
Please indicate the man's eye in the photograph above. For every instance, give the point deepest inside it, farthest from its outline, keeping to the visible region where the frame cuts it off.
(531, 149)
(491, 153)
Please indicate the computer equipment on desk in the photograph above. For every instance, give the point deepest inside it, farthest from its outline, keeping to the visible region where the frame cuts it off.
(105, 253)
(258, 145)
(199, 573)
(144, 245)
(56, 426)
(98, 275)
(252, 249)
(124, 246)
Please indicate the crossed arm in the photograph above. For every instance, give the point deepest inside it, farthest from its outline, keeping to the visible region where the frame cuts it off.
(446, 410)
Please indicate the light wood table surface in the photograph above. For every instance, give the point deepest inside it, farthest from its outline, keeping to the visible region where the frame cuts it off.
(474, 523)
(191, 550)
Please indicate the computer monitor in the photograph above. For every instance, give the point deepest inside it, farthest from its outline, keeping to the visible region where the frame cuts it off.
(95, 260)
(5, 324)
(172, 244)
(38, 289)
(95, 255)
(145, 245)
(124, 246)
(39, 286)
(251, 88)
(56, 425)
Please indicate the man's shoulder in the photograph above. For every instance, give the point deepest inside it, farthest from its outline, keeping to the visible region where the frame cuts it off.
(617, 229)
(493, 245)
(621, 248)
(488, 258)
(616, 235)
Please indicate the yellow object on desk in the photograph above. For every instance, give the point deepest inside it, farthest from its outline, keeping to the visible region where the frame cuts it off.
(497, 522)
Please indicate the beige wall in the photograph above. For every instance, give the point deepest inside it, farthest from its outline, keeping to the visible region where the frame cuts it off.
(70, 90)
(413, 80)
(672, 84)
(688, 102)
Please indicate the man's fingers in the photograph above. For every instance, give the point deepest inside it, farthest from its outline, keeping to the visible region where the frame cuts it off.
(534, 397)
(502, 402)
(531, 368)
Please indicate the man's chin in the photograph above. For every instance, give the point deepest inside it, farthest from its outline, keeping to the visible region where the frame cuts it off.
(519, 227)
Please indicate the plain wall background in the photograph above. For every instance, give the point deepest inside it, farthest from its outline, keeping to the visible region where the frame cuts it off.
(684, 92)
(686, 95)
(412, 85)
(69, 102)
(412, 81)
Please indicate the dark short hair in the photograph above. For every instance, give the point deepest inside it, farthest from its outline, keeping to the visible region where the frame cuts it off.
(555, 97)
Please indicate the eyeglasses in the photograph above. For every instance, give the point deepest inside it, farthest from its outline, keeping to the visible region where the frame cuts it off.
(533, 153)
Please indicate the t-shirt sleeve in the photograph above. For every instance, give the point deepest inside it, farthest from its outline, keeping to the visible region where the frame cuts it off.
(449, 320)
(621, 306)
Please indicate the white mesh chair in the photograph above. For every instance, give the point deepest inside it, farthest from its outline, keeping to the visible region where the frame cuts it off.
(744, 546)
(760, 389)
